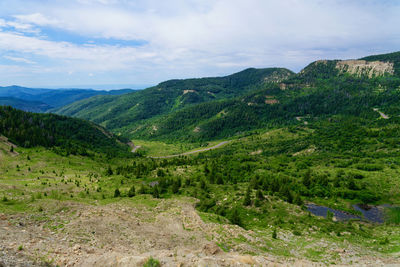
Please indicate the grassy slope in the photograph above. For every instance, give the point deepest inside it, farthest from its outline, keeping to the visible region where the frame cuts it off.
(32, 185)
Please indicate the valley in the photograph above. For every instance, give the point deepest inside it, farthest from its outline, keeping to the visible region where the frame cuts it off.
(264, 167)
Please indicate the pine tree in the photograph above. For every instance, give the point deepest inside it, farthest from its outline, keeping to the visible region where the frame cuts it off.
(274, 234)
(247, 197)
(117, 193)
(156, 192)
(235, 217)
(132, 191)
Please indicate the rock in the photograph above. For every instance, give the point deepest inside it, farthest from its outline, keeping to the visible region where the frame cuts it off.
(211, 249)
(76, 248)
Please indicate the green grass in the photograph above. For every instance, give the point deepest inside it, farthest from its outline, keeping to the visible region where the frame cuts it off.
(393, 215)
(84, 180)
(157, 148)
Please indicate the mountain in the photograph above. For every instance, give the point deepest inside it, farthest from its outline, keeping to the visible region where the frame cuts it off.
(71, 135)
(33, 106)
(52, 98)
(121, 113)
(212, 108)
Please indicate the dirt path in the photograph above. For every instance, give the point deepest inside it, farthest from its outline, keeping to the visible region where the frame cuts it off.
(134, 148)
(192, 152)
(383, 115)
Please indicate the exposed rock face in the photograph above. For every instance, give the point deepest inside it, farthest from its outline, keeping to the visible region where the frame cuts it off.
(362, 67)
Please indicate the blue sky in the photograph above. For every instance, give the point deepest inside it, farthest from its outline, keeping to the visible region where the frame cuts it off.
(121, 43)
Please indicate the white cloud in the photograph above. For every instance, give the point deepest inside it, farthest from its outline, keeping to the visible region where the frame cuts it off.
(36, 19)
(19, 59)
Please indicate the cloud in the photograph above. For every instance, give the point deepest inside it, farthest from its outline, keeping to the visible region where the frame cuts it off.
(19, 59)
(194, 37)
(36, 19)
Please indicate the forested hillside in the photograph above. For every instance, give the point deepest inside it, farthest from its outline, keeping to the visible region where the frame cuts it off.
(131, 109)
(213, 108)
(69, 135)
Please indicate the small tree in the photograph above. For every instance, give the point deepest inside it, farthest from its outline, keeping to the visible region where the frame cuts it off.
(109, 171)
(142, 189)
(247, 198)
(132, 191)
(175, 187)
(117, 193)
(156, 192)
(274, 234)
(235, 217)
(260, 194)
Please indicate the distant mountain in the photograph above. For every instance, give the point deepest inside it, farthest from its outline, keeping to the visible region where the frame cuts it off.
(70, 135)
(52, 98)
(122, 113)
(33, 106)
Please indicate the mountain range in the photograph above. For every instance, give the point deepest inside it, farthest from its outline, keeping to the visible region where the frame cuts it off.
(42, 100)
(212, 108)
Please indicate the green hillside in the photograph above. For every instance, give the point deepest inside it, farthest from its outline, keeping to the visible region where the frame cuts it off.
(131, 109)
(69, 135)
(211, 108)
(319, 91)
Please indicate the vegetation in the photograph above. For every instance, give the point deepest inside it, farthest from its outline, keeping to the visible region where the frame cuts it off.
(127, 112)
(65, 135)
(151, 262)
(322, 140)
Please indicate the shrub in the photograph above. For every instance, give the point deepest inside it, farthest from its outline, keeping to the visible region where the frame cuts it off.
(156, 192)
(117, 193)
(297, 233)
(235, 217)
(369, 167)
(151, 262)
(132, 191)
(274, 234)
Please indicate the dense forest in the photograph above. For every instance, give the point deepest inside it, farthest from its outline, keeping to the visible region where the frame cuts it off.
(70, 135)
(122, 113)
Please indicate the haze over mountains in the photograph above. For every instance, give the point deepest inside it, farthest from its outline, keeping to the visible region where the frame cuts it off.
(41, 100)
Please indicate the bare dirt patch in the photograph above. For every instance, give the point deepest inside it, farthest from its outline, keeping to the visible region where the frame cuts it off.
(74, 234)
(188, 91)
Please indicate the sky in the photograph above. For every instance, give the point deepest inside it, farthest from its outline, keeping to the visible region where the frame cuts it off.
(134, 43)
